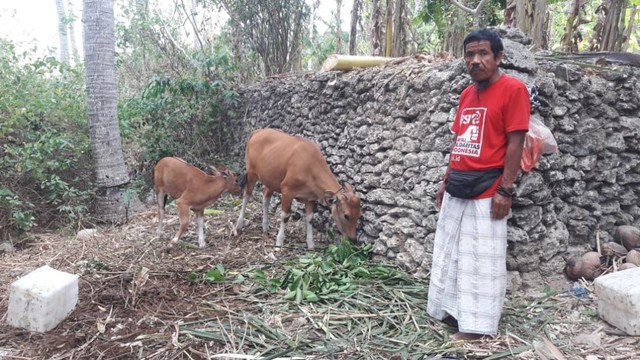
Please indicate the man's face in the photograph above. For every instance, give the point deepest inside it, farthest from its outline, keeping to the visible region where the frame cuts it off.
(481, 63)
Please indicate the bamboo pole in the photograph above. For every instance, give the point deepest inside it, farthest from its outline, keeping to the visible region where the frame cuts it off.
(349, 62)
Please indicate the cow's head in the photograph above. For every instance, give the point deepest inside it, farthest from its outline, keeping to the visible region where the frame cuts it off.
(345, 211)
(231, 180)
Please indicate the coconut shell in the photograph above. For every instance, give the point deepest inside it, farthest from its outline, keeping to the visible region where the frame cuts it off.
(613, 249)
(593, 258)
(626, 266)
(633, 257)
(577, 267)
(627, 235)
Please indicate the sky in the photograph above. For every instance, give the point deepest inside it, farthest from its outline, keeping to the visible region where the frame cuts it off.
(34, 22)
(24, 21)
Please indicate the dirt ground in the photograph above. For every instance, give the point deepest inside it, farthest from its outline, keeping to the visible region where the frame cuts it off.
(134, 298)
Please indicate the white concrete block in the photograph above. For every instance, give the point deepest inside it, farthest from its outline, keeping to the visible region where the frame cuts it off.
(40, 300)
(619, 299)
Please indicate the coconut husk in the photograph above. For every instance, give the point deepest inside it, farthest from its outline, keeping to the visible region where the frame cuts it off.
(593, 258)
(626, 266)
(633, 257)
(587, 266)
(613, 249)
(627, 235)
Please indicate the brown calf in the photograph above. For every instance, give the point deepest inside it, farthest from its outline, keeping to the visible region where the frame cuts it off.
(295, 167)
(193, 190)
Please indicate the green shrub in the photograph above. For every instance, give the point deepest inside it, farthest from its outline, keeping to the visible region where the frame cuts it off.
(44, 147)
(181, 117)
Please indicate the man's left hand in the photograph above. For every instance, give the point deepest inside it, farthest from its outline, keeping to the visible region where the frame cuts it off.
(500, 206)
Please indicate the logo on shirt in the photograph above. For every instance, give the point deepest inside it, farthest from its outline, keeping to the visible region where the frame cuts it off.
(471, 128)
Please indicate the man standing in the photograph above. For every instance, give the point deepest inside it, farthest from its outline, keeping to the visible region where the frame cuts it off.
(468, 274)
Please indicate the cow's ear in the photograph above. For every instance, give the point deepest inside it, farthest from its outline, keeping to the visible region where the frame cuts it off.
(347, 187)
(329, 197)
(214, 170)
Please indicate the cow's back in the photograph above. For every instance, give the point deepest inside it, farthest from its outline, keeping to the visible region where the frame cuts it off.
(272, 154)
(171, 168)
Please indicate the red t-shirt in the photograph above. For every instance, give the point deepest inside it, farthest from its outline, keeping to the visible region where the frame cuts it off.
(482, 122)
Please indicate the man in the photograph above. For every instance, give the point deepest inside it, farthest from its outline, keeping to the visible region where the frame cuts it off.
(468, 274)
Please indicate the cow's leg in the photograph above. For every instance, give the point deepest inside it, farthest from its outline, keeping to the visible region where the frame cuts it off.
(266, 201)
(240, 222)
(200, 221)
(308, 215)
(160, 199)
(183, 214)
(284, 217)
(248, 190)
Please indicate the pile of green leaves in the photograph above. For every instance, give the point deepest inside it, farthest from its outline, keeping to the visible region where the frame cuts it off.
(339, 271)
(334, 274)
(44, 146)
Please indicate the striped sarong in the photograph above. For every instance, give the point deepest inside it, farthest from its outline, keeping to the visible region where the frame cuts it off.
(469, 272)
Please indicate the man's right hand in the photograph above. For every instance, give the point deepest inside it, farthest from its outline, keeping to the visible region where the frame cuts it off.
(440, 196)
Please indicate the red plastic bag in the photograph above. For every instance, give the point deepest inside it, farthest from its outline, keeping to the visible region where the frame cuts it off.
(539, 140)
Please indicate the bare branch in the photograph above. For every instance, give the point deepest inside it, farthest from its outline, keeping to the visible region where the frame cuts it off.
(475, 12)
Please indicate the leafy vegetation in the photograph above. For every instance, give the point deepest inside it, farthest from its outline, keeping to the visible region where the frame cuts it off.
(338, 272)
(174, 98)
(179, 117)
(44, 148)
(334, 274)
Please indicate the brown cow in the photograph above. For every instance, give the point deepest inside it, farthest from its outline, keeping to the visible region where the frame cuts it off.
(295, 167)
(193, 190)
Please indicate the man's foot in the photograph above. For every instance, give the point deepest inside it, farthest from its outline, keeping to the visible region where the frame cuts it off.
(451, 321)
(467, 336)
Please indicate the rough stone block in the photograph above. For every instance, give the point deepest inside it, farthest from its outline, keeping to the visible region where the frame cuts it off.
(619, 299)
(40, 300)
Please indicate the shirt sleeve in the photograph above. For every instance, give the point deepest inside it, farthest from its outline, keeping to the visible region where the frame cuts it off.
(519, 109)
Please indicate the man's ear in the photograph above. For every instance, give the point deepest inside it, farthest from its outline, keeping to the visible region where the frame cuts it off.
(499, 57)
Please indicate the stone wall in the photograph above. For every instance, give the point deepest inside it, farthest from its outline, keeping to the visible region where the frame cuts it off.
(386, 131)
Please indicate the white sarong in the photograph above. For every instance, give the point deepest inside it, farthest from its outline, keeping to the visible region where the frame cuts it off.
(469, 272)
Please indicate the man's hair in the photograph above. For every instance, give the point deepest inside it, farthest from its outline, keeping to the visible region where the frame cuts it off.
(482, 35)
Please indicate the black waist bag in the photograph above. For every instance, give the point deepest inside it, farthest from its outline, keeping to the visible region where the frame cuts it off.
(471, 183)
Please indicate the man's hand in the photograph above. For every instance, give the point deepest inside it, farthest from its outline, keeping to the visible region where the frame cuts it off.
(439, 196)
(500, 206)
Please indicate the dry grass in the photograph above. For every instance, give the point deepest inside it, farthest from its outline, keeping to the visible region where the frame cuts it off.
(136, 302)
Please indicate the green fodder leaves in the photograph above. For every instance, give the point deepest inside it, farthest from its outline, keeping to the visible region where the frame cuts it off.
(337, 272)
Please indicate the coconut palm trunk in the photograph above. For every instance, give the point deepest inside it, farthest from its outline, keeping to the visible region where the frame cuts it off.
(62, 32)
(114, 204)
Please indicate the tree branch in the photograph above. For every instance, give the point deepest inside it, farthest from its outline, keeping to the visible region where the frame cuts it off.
(475, 12)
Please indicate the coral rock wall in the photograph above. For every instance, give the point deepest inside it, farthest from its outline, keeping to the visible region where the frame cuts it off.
(386, 131)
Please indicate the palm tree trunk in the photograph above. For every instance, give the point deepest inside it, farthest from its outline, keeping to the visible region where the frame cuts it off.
(72, 34)
(388, 28)
(338, 27)
(628, 30)
(113, 204)
(62, 32)
(355, 16)
(610, 32)
(376, 31)
(399, 34)
(530, 16)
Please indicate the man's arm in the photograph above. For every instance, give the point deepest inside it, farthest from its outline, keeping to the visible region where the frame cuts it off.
(502, 204)
(440, 192)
